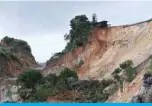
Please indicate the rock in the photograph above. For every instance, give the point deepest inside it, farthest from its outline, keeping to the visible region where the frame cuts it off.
(145, 94)
(136, 99)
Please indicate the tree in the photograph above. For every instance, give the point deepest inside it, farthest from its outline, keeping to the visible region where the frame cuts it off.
(78, 35)
(126, 64)
(29, 78)
(66, 73)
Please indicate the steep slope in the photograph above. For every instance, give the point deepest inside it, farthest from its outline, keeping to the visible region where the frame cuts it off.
(15, 55)
(106, 49)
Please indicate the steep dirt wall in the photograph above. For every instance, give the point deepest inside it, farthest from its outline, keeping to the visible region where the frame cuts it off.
(108, 47)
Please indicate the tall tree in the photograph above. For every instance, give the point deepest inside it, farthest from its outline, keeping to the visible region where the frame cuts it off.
(78, 35)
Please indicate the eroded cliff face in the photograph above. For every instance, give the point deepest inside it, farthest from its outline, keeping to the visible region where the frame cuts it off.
(107, 48)
(14, 57)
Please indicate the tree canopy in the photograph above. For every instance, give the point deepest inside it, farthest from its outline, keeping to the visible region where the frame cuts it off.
(78, 35)
(29, 78)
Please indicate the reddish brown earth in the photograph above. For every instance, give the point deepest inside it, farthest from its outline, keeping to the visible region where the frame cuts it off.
(106, 49)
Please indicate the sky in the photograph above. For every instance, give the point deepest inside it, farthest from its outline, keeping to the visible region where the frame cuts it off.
(43, 23)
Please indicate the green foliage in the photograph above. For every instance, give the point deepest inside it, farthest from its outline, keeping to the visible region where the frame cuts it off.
(90, 91)
(128, 70)
(130, 73)
(78, 35)
(7, 53)
(25, 93)
(29, 78)
(62, 86)
(51, 79)
(94, 92)
(67, 73)
(150, 66)
(42, 93)
(16, 44)
(56, 56)
(116, 77)
(117, 70)
(36, 88)
(126, 64)
(149, 70)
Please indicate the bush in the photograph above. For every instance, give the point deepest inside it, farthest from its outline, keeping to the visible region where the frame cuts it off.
(126, 64)
(7, 53)
(51, 79)
(78, 36)
(42, 93)
(130, 73)
(68, 73)
(17, 44)
(128, 70)
(106, 83)
(117, 70)
(62, 86)
(93, 92)
(25, 93)
(29, 78)
(150, 66)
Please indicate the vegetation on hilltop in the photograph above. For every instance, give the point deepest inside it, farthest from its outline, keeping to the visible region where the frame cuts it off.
(78, 34)
(7, 53)
(18, 52)
(16, 45)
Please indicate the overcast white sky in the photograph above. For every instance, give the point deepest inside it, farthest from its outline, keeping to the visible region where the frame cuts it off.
(43, 24)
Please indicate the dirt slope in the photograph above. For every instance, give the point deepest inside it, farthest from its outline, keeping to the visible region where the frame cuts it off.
(107, 48)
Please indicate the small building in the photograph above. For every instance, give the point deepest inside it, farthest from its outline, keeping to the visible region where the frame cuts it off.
(101, 24)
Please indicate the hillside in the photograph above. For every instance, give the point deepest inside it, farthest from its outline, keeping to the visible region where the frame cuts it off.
(106, 49)
(15, 56)
(113, 65)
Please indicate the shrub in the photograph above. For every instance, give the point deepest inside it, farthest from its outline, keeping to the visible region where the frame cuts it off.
(17, 44)
(130, 73)
(149, 70)
(116, 77)
(117, 70)
(62, 86)
(128, 70)
(51, 79)
(42, 93)
(25, 93)
(78, 36)
(94, 93)
(80, 85)
(150, 66)
(7, 53)
(29, 78)
(67, 73)
(126, 64)
(106, 83)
